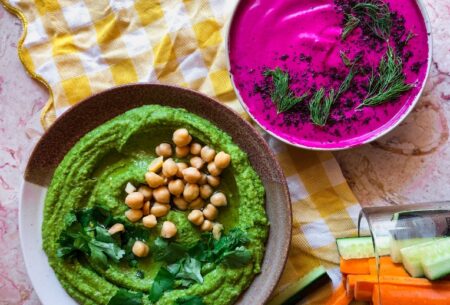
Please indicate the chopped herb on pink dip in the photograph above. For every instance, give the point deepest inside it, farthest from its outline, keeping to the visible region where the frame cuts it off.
(317, 44)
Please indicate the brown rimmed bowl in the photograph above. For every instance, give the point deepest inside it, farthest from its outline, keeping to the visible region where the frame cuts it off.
(98, 109)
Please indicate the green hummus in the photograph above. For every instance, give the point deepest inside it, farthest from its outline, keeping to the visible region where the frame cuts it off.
(95, 172)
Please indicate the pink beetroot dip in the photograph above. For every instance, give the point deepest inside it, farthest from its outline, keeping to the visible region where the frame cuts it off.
(304, 38)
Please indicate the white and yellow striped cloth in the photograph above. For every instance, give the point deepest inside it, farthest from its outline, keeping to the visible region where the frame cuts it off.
(80, 47)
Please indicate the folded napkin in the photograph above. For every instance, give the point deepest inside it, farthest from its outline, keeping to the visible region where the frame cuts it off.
(77, 48)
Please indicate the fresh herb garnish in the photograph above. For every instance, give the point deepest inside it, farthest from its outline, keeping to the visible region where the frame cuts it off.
(320, 104)
(186, 269)
(281, 95)
(126, 297)
(164, 281)
(351, 22)
(86, 234)
(189, 300)
(374, 14)
(389, 83)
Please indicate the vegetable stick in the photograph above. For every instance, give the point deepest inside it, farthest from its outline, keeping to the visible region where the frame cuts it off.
(339, 296)
(361, 286)
(355, 266)
(387, 267)
(393, 294)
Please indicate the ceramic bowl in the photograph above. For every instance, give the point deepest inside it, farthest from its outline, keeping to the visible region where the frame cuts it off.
(96, 110)
(301, 138)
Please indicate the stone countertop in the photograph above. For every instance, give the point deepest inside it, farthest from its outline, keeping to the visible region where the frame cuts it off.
(410, 164)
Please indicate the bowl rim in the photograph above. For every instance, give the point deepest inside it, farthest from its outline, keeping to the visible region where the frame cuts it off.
(384, 130)
(275, 166)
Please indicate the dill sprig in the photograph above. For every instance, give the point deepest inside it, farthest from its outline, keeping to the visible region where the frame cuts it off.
(281, 95)
(320, 107)
(320, 104)
(375, 14)
(389, 83)
(351, 22)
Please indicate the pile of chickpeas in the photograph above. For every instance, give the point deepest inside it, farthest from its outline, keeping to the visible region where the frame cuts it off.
(186, 186)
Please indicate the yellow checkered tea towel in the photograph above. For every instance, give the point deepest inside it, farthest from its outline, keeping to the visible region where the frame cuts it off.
(80, 47)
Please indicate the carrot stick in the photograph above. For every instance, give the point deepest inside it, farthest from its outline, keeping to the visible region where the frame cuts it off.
(391, 294)
(353, 279)
(387, 267)
(339, 296)
(355, 266)
(362, 285)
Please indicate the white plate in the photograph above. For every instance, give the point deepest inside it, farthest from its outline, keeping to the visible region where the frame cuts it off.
(45, 283)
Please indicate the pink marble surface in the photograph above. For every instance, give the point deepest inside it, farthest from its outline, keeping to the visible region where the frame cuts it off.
(411, 164)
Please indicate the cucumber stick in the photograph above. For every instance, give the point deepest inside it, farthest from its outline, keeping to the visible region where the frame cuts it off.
(412, 256)
(362, 247)
(436, 260)
(397, 245)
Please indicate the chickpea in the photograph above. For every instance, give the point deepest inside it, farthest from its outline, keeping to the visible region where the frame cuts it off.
(181, 166)
(222, 160)
(154, 180)
(206, 226)
(133, 215)
(191, 192)
(146, 191)
(130, 188)
(116, 228)
(168, 229)
(203, 180)
(164, 150)
(213, 181)
(140, 249)
(182, 152)
(210, 212)
(180, 203)
(218, 199)
(181, 137)
(169, 168)
(149, 221)
(195, 149)
(198, 203)
(213, 169)
(146, 208)
(217, 230)
(196, 217)
(161, 194)
(135, 200)
(176, 187)
(156, 165)
(207, 154)
(159, 209)
(197, 162)
(191, 175)
(206, 191)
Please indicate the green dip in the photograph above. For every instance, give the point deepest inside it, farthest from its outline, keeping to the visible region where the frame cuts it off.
(95, 172)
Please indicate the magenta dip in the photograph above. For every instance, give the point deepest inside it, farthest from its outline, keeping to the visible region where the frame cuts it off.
(304, 38)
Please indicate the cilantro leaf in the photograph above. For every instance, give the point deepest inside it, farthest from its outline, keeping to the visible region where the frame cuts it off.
(101, 234)
(237, 258)
(166, 251)
(189, 300)
(110, 249)
(187, 269)
(163, 282)
(126, 297)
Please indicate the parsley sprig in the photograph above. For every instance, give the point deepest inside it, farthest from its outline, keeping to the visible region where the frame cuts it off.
(86, 235)
(184, 265)
(281, 95)
(389, 83)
